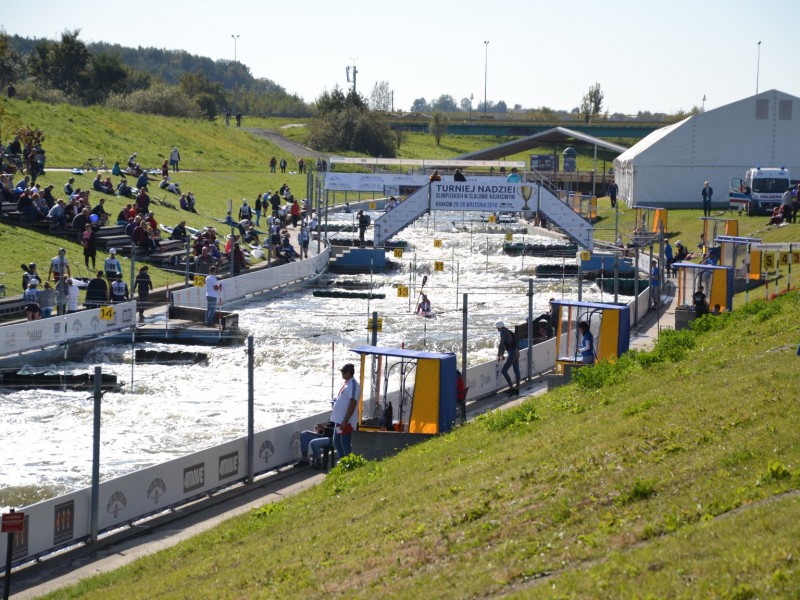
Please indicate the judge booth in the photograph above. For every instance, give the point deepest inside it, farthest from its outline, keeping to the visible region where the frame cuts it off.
(610, 324)
(407, 396)
(649, 222)
(717, 284)
(744, 255)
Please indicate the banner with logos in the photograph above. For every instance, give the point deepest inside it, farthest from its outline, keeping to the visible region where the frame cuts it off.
(371, 182)
(490, 196)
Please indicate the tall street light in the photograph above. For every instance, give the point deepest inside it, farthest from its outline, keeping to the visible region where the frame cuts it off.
(235, 37)
(758, 65)
(471, 98)
(485, 71)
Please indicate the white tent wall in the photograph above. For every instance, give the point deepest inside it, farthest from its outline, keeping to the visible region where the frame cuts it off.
(668, 167)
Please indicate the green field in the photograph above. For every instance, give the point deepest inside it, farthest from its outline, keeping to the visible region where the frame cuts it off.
(672, 474)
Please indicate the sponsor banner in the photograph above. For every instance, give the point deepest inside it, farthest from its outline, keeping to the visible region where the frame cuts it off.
(51, 331)
(430, 163)
(497, 196)
(65, 519)
(371, 182)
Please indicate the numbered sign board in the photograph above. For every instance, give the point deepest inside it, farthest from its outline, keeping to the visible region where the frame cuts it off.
(402, 291)
(380, 324)
(438, 265)
(106, 313)
(398, 253)
(199, 280)
(437, 243)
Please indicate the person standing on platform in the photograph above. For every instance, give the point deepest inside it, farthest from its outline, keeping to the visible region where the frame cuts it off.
(655, 285)
(707, 192)
(700, 303)
(363, 223)
(667, 257)
(213, 290)
(508, 345)
(143, 284)
(111, 265)
(344, 412)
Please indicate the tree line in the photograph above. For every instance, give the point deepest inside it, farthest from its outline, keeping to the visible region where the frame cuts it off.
(151, 80)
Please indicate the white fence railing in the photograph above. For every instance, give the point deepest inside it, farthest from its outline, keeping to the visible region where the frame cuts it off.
(260, 280)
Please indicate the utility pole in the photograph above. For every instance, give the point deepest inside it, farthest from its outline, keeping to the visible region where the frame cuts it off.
(486, 71)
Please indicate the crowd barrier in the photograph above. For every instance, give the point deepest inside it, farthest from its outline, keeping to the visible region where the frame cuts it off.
(255, 282)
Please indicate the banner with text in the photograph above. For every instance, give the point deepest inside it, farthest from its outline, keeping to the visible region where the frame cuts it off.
(371, 182)
(488, 197)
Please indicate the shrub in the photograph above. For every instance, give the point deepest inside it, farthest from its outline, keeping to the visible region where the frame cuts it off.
(165, 100)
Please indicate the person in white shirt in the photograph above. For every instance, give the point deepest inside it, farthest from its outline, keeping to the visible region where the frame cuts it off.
(344, 413)
(213, 291)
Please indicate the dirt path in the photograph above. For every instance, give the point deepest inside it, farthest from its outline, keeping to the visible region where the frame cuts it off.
(293, 148)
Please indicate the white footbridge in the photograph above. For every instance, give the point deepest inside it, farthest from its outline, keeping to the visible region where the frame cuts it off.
(478, 193)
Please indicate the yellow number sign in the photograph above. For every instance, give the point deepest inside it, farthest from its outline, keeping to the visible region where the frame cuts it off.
(106, 313)
(769, 260)
(509, 236)
(438, 265)
(402, 291)
(398, 253)
(372, 206)
(199, 280)
(795, 257)
(380, 324)
(437, 243)
(586, 255)
(492, 219)
(783, 259)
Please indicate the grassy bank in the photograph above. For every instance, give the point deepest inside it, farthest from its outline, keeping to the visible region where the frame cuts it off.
(671, 474)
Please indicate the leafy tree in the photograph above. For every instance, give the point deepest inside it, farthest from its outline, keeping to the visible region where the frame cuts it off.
(466, 105)
(63, 65)
(489, 106)
(501, 107)
(438, 126)
(12, 64)
(400, 136)
(420, 105)
(444, 103)
(381, 97)
(592, 103)
(107, 74)
(351, 129)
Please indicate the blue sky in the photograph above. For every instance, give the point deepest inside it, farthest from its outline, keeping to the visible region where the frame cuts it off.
(657, 56)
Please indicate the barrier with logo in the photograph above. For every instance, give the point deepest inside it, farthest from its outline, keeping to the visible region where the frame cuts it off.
(33, 335)
(255, 282)
(65, 520)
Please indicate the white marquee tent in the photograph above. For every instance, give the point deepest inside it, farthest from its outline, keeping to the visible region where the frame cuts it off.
(669, 166)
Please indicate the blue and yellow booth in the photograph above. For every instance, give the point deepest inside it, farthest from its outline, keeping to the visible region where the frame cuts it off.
(610, 324)
(406, 396)
(744, 255)
(649, 222)
(717, 282)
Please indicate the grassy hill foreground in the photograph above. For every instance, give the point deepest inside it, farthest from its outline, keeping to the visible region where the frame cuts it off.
(671, 474)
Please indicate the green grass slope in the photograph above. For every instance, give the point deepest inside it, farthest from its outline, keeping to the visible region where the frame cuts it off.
(672, 474)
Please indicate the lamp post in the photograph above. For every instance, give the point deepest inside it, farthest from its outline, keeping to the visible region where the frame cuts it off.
(471, 98)
(758, 65)
(486, 70)
(235, 37)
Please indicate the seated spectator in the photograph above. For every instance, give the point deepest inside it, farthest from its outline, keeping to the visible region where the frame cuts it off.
(68, 189)
(165, 169)
(150, 218)
(47, 196)
(58, 215)
(133, 223)
(179, 232)
(25, 206)
(184, 202)
(250, 235)
(116, 170)
(123, 189)
(142, 181)
(100, 211)
(205, 260)
(142, 201)
(777, 216)
(40, 208)
(141, 236)
(191, 201)
(81, 220)
(166, 184)
(124, 215)
(99, 186)
(238, 259)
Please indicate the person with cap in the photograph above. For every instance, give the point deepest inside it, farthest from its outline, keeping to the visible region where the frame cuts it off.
(508, 345)
(174, 159)
(31, 299)
(213, 294)
(111, 265)
(344, 414)
(245, 212)
(29, 275)
(119, 289)
(59, 265)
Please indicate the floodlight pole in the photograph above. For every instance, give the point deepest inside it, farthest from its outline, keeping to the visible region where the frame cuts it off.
(486, 71)
(236, 37)
(758, 65)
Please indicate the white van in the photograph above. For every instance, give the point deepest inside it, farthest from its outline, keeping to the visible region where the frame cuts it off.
(760, 191)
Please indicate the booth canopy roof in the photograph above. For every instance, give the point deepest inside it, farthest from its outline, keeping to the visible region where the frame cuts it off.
(401, 352)
(551, 136)
(599, 305)
(688, 265)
